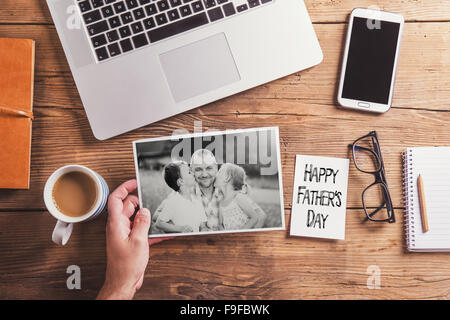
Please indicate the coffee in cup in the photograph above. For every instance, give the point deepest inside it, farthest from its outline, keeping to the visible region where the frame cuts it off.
(74, 194)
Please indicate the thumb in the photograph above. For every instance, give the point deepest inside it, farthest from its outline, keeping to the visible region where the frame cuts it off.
(141, 224)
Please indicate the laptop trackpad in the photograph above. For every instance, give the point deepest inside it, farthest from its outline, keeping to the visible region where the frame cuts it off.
(199, 67)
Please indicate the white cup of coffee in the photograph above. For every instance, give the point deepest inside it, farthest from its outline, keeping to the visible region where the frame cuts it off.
(74, 194)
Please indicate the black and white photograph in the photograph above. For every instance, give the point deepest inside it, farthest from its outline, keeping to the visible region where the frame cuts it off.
(211, 182)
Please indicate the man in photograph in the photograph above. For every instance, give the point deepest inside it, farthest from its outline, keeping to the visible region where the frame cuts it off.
(204, 167)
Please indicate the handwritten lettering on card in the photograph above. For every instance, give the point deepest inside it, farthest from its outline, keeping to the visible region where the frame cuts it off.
(319, 197)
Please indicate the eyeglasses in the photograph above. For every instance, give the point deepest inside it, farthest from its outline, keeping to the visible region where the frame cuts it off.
(376, 199)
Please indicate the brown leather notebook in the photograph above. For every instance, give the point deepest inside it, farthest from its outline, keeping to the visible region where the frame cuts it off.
(16, 106)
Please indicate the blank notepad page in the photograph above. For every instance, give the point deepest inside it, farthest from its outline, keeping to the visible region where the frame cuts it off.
(433, 164)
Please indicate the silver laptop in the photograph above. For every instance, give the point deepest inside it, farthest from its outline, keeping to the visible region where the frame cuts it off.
(139, 61)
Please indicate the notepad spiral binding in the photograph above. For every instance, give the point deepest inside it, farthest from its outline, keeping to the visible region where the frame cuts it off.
(408, 196)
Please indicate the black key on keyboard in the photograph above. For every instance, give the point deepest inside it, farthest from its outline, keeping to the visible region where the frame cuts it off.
(98, 27)
(139, 14)
(126, 17)
(92, 16)
(119, 7)
(177, 27)
(185, 10)
(175, 3)
(197, 6)
(114, 22)
(151, 9)
(102, 54)
(209, 3)
(125, 32)
(149, 23)
(215, 14)
(97, 3)
(109, 1)
(85, 6)
(221, 1)
(163, 5)
(140, 40)
(112, 36)
(242, 7)
(126, 45)
(228, 9)
(137, 27)
(114, 50)
(265, 1)
(107, 11)
(131, 4)
(99, 40)
(143, 2)
(253, 3)
(173, 14)
(161, 18)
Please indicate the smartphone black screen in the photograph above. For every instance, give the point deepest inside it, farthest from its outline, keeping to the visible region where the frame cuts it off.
(370, 62)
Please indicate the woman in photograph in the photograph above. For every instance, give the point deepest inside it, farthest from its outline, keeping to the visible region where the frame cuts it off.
(236, 209)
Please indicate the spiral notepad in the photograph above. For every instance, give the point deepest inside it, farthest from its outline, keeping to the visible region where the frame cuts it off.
(433, 164)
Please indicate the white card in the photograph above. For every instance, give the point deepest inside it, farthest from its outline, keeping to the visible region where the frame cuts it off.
(319, 197)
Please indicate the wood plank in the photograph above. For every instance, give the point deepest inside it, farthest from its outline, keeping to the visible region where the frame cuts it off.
(63, 136)
(252, 265)
(25, 11)
(422, 82)
(36, 11)
(412, 10)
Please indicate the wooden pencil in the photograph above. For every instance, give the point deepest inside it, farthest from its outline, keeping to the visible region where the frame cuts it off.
(423, 207)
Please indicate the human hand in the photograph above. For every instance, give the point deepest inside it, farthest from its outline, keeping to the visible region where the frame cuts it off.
(127, 244)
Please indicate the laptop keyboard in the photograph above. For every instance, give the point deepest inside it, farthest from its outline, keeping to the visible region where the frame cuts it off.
(119, 26)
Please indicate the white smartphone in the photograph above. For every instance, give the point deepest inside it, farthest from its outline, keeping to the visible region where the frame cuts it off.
(370, 60)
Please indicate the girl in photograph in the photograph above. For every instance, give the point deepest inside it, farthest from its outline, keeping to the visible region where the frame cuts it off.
(236, 209)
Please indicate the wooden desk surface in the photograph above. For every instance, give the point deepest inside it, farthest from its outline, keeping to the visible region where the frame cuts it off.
(256, 265)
